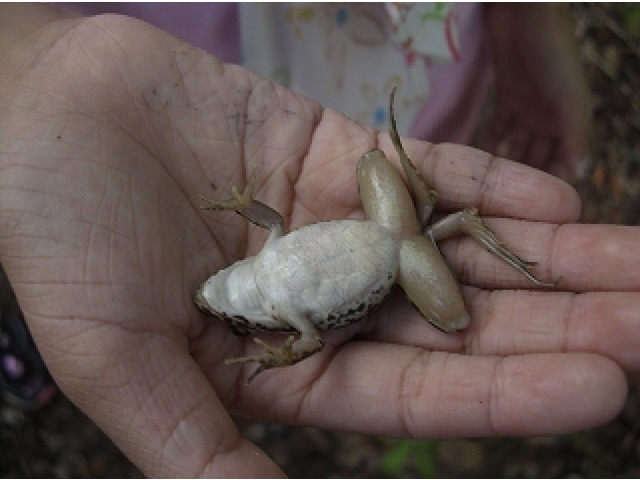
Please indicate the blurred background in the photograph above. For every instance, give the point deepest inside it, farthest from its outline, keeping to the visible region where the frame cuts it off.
(59, 441)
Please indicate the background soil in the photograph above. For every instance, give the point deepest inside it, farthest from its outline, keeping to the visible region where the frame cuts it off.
(59, 441)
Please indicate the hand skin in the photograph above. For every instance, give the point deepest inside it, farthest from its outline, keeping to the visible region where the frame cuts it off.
(543, 103)
(110, 129)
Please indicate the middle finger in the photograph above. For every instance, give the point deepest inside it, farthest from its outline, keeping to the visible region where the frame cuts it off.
(584, 257)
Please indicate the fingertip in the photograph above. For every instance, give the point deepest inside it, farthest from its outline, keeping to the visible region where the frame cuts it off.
(565, 393)
(528, 193)
(464, 176)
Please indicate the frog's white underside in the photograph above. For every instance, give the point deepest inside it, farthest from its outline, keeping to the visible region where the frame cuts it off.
(331, 273)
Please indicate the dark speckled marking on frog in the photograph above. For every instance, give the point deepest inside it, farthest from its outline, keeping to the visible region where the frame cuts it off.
(356, 310)
(350, 313)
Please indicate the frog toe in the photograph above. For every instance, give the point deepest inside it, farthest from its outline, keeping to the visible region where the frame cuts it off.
(292, 351)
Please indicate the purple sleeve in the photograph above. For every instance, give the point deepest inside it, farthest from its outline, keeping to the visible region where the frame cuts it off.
(214, 27)
(459, 89)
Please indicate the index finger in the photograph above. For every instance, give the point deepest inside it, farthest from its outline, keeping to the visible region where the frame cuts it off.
(464, 176)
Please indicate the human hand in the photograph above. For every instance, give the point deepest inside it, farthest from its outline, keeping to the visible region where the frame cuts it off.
(107, 141)
(543, 103)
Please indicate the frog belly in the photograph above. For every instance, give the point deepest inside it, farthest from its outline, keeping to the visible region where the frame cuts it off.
(333, 273)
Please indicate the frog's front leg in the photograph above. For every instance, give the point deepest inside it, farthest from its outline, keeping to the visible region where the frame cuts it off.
(244, 204)
(292, 351)
(467, 221)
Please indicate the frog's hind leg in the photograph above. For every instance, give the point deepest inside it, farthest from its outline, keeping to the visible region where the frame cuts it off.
(292, 351)
(244, 204)
(424, 197)
(467, 221)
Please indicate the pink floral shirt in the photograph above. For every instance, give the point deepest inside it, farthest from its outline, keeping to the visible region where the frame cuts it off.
(347, 56)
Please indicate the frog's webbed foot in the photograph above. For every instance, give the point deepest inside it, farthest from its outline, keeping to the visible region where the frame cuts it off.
(244, 204)
(425, 198)
(292, 351)
(468, 221)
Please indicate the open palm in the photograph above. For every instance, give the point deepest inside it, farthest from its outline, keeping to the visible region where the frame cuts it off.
(107, 141)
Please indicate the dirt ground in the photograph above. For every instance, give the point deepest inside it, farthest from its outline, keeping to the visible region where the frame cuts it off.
(59, 441)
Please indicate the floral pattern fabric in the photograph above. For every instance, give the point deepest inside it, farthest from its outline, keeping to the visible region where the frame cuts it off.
(349, 56)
